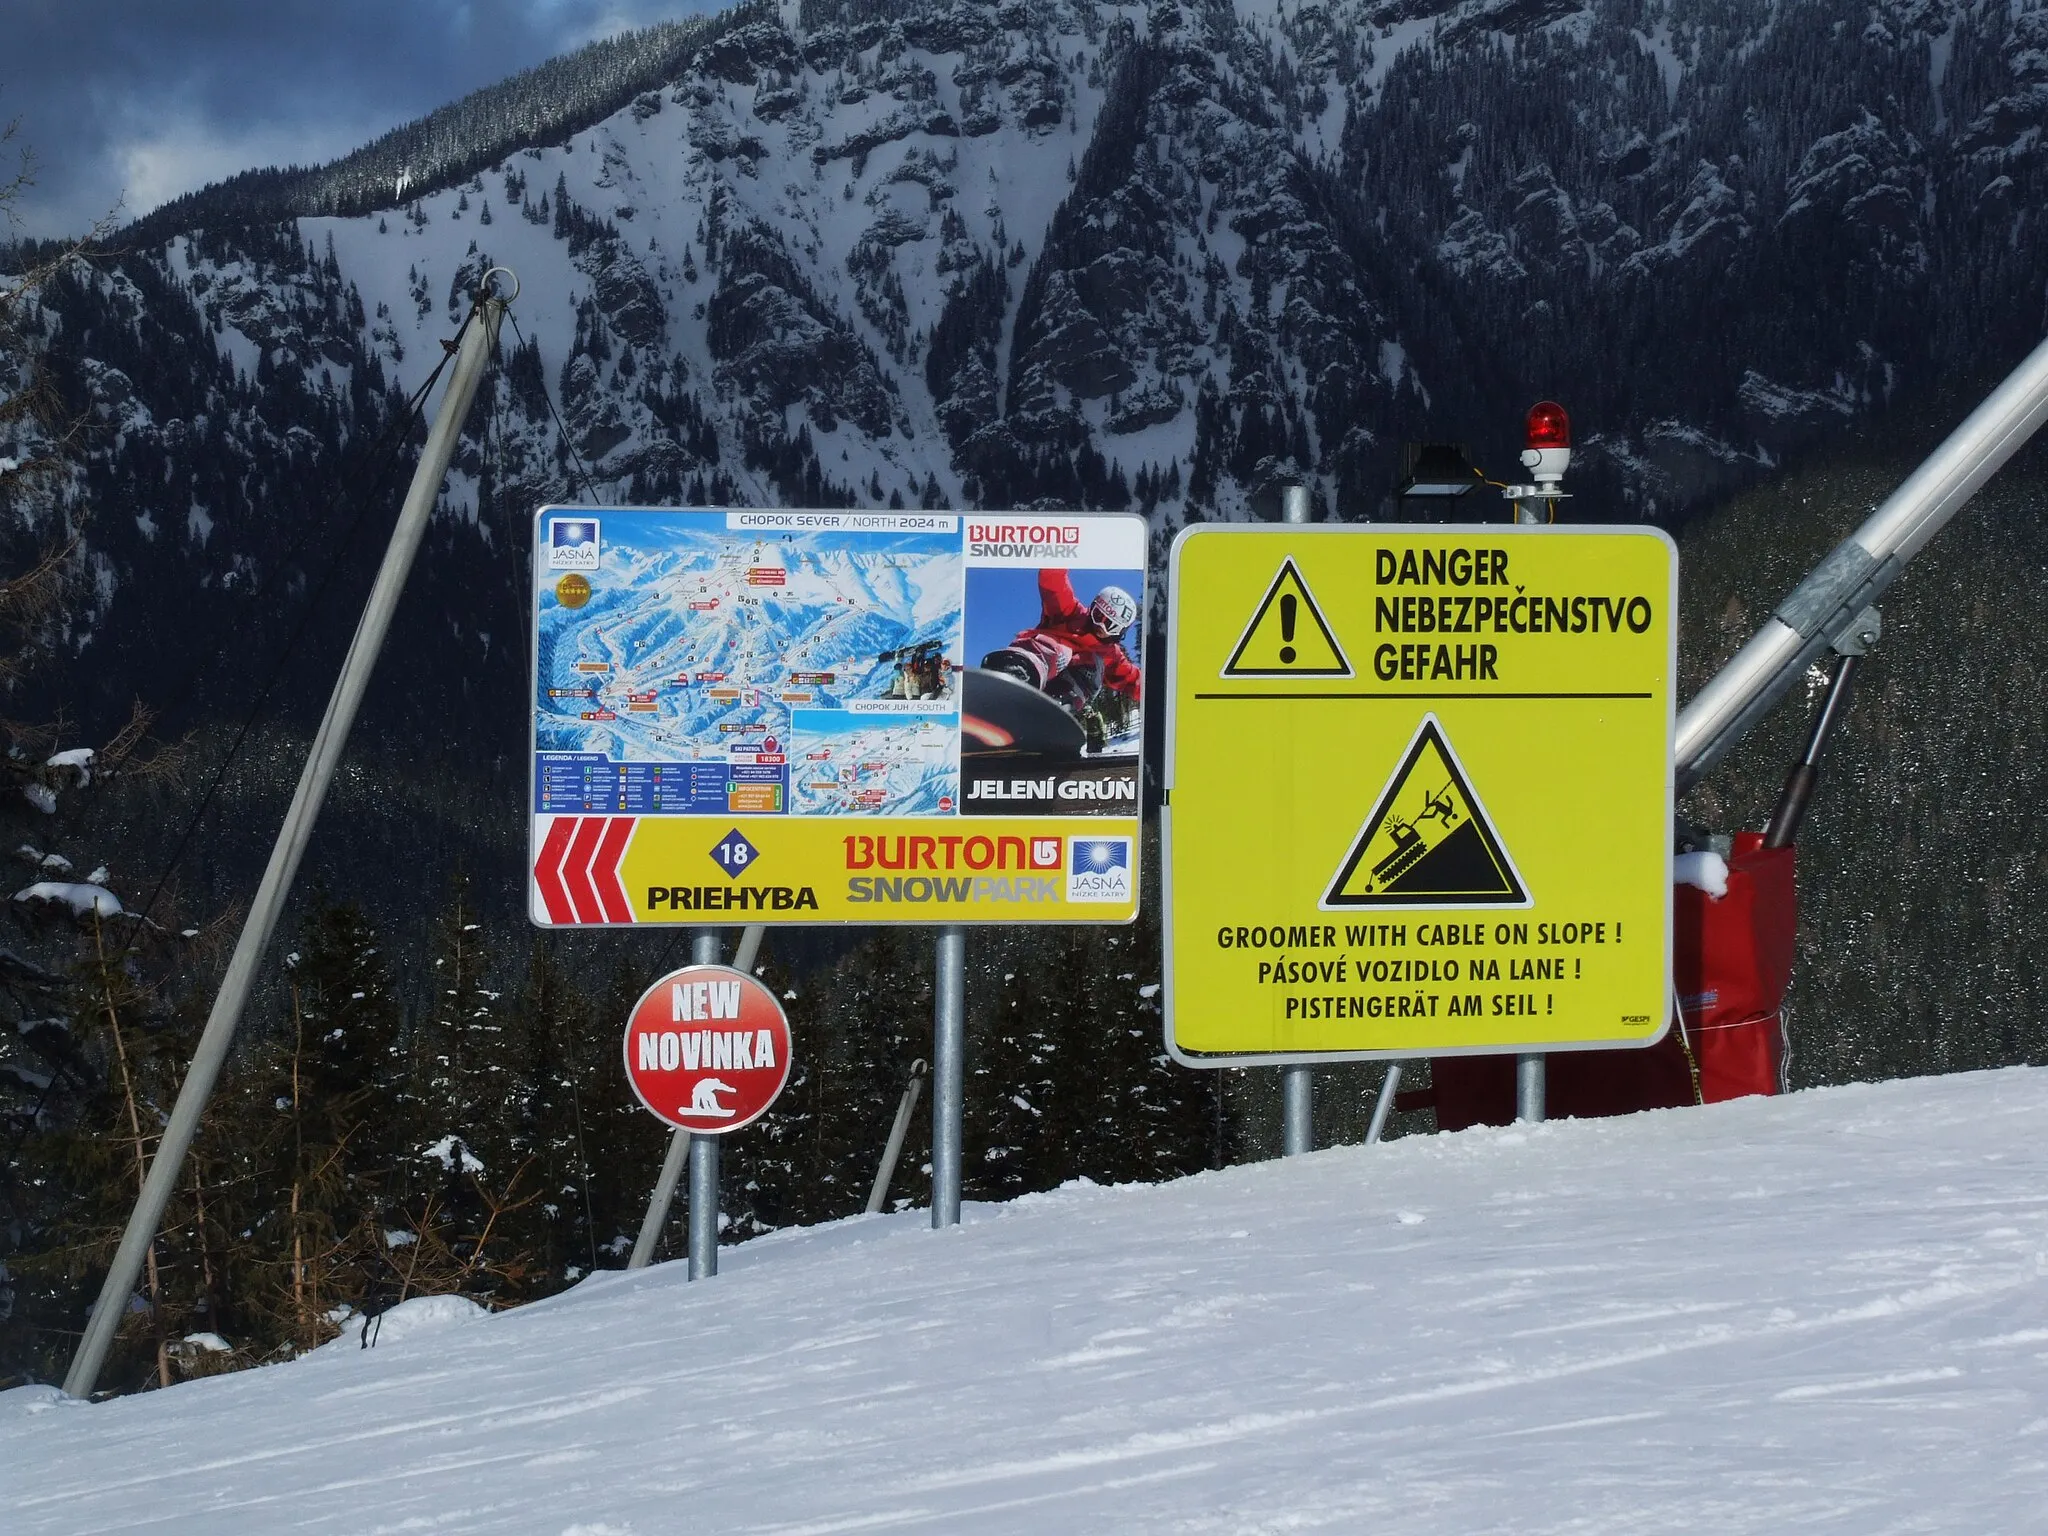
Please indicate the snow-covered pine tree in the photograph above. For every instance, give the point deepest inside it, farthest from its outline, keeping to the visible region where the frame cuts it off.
(92, 1042)
(116, 1044)
(312, 1144)
(622, 1143)
(1068, 1071)
(856, 1027)
(469, 1164)
(566, 1070)
(771, 1175)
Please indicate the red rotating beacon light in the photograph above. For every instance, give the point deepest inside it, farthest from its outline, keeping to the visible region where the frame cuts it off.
(1548, 433)
(1549, 426)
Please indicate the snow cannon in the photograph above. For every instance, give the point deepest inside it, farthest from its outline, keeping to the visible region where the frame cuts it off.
(1831, 602)
(1735, 908)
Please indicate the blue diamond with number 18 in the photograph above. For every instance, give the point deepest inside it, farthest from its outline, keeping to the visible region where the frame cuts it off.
(734, 854)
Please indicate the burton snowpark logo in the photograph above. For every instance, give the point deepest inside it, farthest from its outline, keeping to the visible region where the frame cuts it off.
(573, 544)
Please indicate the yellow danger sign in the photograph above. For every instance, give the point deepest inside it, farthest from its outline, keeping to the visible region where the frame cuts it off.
(1287, 635)
(1418, 790)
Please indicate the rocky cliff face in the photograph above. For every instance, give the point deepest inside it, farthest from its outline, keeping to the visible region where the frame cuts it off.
(1060, 252)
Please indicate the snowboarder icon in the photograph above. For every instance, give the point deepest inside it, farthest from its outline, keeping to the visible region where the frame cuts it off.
(1075, 656)
(704, 1098)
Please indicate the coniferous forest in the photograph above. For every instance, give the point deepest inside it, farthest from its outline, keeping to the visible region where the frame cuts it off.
(919, 253)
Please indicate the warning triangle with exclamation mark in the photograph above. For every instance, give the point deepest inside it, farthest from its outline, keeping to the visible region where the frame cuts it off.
(1428, 841)
(1288, 636)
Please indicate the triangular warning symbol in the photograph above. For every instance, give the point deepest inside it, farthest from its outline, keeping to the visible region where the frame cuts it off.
(1428, 842)
(1287, 636)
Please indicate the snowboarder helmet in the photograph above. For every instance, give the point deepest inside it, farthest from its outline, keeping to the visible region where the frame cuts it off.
(1112, 612)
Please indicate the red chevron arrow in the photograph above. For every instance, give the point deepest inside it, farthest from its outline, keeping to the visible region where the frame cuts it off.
(576, 868)
(604, 870)
(547, 870)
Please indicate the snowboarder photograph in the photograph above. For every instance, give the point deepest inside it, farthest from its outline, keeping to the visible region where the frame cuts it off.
(1078, 654)
(1052, 702)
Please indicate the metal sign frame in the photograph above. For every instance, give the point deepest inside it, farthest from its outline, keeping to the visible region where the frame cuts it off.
(592, 867)
(1297, 536)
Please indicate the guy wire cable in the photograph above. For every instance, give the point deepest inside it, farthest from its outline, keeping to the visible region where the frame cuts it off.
(589, 489)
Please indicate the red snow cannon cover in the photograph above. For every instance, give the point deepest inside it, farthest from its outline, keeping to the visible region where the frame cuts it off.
(1732, 961)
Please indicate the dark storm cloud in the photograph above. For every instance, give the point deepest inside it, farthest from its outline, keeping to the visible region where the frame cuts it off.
(131, 102)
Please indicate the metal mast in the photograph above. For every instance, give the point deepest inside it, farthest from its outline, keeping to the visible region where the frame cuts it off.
(479, 341)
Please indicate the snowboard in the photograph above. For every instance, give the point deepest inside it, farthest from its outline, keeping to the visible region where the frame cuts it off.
(1000, 714)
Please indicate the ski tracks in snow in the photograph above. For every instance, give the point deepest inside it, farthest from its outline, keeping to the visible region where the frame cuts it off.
(1821, 1311)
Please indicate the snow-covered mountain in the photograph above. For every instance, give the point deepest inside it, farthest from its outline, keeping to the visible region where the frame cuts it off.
(1159, 255)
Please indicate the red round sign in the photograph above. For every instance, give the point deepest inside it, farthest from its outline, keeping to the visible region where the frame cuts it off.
(707, 1049)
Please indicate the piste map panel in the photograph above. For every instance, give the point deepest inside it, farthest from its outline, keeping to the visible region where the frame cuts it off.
(806, 716)
(722, 661)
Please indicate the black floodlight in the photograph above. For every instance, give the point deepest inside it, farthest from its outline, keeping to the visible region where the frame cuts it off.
(1435, 469)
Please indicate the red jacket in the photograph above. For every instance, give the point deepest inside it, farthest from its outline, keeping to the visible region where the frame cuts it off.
(1064, 620)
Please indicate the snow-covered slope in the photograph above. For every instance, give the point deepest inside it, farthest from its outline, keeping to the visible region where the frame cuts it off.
(1823, 1312)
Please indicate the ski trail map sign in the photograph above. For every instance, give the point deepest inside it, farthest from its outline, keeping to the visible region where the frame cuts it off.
(833, 716)
(1419, 791)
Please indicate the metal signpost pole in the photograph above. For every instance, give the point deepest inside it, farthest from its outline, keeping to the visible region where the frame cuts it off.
(703, 1207)
(670, 1065)
(1297, 1083)
(949, 1039)
(905, 1108)
(1529, 1088)
(679, 1141)
(1529, 1067)
(1384, 1104)
(703, 1159)
(478, 342)
(1297, 1110)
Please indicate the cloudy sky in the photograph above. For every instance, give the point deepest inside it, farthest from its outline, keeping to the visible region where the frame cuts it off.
(125, 103)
